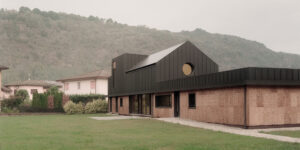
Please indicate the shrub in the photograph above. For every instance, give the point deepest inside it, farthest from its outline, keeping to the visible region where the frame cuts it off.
(58, 101)
(23, 94)
(96, 106)
(11, 103)
(86, 98)
(72, 108)
(26, 106)
(9, 110)
(40, 102)
(57, 97)
(53, 90)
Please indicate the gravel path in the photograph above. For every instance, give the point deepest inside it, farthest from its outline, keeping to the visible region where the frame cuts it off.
(234, 130)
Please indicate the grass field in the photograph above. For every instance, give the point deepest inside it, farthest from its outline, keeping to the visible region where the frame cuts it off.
(78, 132)
(295, 134)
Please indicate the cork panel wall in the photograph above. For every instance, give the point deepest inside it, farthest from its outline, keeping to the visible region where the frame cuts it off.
(273, 106)
(222, 106)
(161, 112)
(113, 108)
(124, 110)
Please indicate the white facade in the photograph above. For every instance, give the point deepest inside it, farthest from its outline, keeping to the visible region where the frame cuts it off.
(29, 89)
(86, 86)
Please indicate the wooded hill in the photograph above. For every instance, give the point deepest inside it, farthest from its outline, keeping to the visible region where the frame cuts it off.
(50, 45)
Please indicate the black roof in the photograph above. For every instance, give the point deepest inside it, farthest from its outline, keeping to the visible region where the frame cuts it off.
(162, 72)
(154, 58)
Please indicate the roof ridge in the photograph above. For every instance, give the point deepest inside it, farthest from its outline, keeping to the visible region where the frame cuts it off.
(155, 57)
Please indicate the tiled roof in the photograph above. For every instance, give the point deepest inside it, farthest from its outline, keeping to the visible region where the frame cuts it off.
(42, 83)
(96, 74)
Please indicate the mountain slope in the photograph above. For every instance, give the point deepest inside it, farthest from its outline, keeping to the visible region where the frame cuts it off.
(49, 45)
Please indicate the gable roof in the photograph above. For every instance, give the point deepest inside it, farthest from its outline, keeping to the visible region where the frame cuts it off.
(101, 74)
(3, 67)
(43, 83)
(156, 57)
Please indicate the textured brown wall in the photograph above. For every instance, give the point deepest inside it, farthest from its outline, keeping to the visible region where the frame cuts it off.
(223, 106)
(159, 112)
(273, 106)
(125, 109)
(113, 109)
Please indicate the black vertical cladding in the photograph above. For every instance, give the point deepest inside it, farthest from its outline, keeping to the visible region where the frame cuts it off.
(168, 68)
(187, 53)
(166, 74)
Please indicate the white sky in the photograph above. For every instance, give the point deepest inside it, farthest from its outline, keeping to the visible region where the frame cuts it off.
(276, 23)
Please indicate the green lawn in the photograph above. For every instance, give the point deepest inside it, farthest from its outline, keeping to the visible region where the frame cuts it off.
(78, 132)
(295, 134)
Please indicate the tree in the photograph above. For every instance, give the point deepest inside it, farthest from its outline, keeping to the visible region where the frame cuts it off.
(23, 94)
(24, 10)
(52, 90)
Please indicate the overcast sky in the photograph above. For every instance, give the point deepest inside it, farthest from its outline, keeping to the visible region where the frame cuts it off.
(276, 23)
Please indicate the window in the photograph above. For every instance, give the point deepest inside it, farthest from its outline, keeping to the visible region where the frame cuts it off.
(163, 101)
(93, 84)
(66, 86)
(187, 69)
(192, 100)
(32, 91)
(121, 102)
(78, 85)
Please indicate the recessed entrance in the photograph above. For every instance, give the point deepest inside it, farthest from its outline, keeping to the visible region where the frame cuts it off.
(140, 104)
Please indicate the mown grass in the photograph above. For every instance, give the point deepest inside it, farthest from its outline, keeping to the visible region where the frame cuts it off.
(78, 132)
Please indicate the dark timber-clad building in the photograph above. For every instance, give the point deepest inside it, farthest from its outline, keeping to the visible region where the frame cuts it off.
(182, 81)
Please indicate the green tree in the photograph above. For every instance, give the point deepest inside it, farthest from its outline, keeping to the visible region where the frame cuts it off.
(52, 90)
(23, 94)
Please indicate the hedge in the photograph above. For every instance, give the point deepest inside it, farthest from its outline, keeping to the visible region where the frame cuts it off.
(58, 101)
(40, 101)
(11, 102)
(86, 98)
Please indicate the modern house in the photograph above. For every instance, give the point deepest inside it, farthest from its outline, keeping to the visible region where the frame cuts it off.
(31, 86)
(183, 82)
(1, 89)
(90, 83)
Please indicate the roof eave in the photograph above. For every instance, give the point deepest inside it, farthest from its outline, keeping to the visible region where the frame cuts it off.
(84, 78)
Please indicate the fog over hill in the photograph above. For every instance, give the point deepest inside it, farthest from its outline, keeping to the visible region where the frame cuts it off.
(50, 45)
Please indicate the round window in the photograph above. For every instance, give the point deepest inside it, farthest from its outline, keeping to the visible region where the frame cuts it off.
(187, 69)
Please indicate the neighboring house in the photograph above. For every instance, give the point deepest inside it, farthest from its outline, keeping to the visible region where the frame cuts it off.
(89, 83)
(32, 86)
(1, 91)
(6, 92)
(183, 82)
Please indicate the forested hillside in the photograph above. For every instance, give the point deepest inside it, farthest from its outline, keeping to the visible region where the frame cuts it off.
(49, 45)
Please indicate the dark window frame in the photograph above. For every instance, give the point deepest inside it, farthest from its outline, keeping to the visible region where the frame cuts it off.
(194, 105)
(32, 91)
(121, 102)
(170, 104)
